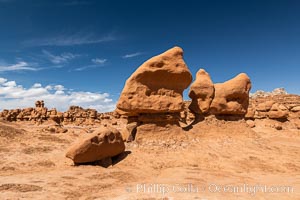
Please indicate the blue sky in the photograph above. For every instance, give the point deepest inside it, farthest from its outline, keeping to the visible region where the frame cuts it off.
(82, 51)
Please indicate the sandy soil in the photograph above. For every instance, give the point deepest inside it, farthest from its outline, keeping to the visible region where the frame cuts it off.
(215, 160)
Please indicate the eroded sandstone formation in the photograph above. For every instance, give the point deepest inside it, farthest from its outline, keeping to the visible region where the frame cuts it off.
(277, 109)
(232, 96)
(202, 92)
(280, 107)
(153, 93)
(102, 144)
(157, 85)
(40, 114)
(37, 114)
(79, 116)
(151, 101)
(228, 98)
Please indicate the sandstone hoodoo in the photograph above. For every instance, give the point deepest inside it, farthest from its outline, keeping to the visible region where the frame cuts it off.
(232, 96)
(102, 144)
(202, 93)
(153, 93)
(157, 85)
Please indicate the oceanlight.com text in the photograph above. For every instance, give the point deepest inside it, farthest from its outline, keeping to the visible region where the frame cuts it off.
(251, 189)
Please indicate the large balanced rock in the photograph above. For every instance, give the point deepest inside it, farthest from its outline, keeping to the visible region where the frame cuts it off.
(201, 92)
(103, 143)
(231, 97)
(157, 85)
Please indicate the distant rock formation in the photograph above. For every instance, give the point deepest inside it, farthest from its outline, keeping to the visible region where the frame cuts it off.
(40, 114)
(39, 104)
(278, 107)
(37, 114)
(79, 116)
(276, 91)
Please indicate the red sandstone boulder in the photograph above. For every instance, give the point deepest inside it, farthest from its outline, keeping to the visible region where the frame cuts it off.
(103, 143)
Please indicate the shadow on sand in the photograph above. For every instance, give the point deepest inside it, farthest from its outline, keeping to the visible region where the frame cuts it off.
(198, 118)
(107, 162)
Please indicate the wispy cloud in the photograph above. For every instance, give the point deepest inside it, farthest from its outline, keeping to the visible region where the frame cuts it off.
(99, 61)
(58, 59)
(20, 66)
(132, 55)
(13, 95)
(69, 40)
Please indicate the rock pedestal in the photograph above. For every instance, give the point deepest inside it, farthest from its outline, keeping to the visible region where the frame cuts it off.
(153, 93)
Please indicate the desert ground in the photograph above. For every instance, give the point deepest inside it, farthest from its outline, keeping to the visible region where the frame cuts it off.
(206, 163)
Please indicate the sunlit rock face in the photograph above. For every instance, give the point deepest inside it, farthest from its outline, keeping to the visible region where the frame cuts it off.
(157, 85)
(232, 96)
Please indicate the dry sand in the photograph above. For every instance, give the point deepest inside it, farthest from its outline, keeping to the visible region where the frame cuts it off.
(214, 160)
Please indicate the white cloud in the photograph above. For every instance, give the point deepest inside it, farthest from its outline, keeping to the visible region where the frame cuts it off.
(59, 87)
(37, 85)
(58, 59)
(49, 87)
(10, 84)
(132, 55)
(69, 40)
(85, 67)
(2, 80)
(20, 66)
(99, 61)
(13, 96)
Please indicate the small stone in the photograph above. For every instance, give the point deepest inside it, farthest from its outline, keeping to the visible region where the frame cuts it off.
(278, 127)
(250, 123)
